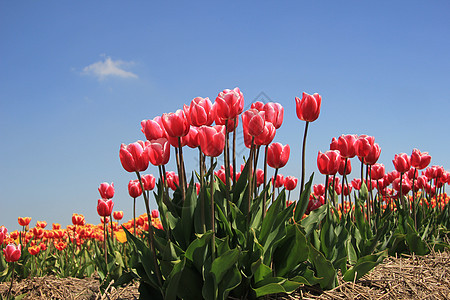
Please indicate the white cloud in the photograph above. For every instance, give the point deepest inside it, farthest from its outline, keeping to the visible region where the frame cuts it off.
(109, 67)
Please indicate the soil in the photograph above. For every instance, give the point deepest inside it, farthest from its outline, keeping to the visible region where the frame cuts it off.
(405, 277)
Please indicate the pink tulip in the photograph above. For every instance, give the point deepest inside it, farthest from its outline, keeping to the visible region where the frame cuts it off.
(134, 157)
(153, 129)
(363, 145)
(328, 162)
(105, 207)
(253, 122)
(106, 190)
(229, 104)
(290, 183)
(278, 155)
(373, 155)
(346, 145)
(308, 108)
(175, 124)
(402, 162)
(267, 136)
(148, 180)
(134, 188)
(201, 112)
(377, 171)
(158, 151)
(212, 140)
(274, 113)
(12, 252)
(420, 160)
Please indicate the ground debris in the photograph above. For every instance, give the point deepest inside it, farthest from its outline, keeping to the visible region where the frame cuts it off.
(404, 277)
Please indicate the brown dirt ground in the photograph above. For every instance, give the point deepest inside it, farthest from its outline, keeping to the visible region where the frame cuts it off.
(405, 277)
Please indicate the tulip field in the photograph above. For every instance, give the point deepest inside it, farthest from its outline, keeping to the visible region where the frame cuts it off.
(231, 232)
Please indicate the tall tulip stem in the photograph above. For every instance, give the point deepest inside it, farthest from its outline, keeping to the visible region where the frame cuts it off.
(213, 240)
(105, 249)
(302, 182)
(151, 233)
(326, 188)
(182, 172)
(273, 187)
(343, 184)
(234, 151)
(12, 280)
(202, 197)
(265, 182)
(134, 216)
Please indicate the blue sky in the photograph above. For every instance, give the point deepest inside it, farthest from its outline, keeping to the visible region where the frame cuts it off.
(76, 79)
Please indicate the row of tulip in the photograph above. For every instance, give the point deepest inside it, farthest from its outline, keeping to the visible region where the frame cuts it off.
(229, 232)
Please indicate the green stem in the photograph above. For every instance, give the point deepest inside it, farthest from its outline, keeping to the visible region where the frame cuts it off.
(234, 152)
(265, 181)
(151, 233)
(302, 182)
(12, 279)
(104, 243)
(134, 216)
(213, 240)
(183, 182)
(273, 187)
(326, 188)
(202, 198)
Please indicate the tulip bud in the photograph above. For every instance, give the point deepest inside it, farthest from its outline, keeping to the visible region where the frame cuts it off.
(12, 252)
(133, 157)
(105, 207)
(278, 155)
(308, 108)
(106, 190)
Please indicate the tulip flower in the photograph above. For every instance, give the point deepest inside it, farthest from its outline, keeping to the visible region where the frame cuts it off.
(24, 221)
(134, 188)
(377, 171)
(356, 183)
(192, 138)
(265, 138)
(153, 129)
(308, 108)
(106, 190)
(78, 220)
(134, 157)
(34, 250)
(290, 183)
(404, 186)
(258, 105)
(278, 155)
(274, 113)
(363, 145)
(230, 124)
(328, 162)
(229, 104)
(420, 160)
(105, 207)
(148, 181)
(373, 155)
(212, 140)
(155, 214)
(3, 234)
(319, 189)
(346, 145)
(253, 122)
(41, 224)
(12, 252)
(259, 177)
(158, 151)
(175, 124)
(345, 165)
(401, 162)
(201, 112)
(172, 180)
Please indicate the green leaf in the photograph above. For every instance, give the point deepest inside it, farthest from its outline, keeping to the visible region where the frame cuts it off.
(324, 268)
(291, 251)
(364, 265)
(302, 204)
(223, 263)
(415, 243)
(187, 213)
(197, 250)
(173, 280)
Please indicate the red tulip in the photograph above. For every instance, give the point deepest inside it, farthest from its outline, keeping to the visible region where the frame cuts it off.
(221, 174)
(158, 151)
(420, 160)
(3, 234)
(377, 171)
(348, 170)
(363, 145)
(279, 182)
(212, 140)
(259, 177)
(193, 140)
(201, 112)
(106, 190)
(41, 224)
(34, 250)
(334, 144)
(78, 220)
(267, 136)
(278, 155)
(118, 215)
(274, 113)
(148, 181)
(24, 221)
(373, 155)
(347, 190)
(402, 162)
(258, 105)
(153, 129)
(420, 182)
(290, 183)
(412, 174)
(406, 185)
(253, 122)
(174, 141)
(134, 188)
(155, 214)
(229, 104)
(356, 183)
(319, 189)
(308, 108)
(391, 176)
(173, 180)
(175, 124)
(346, 145)
(105, 207)
(328, 162)
(134, 157)
(12, 252)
